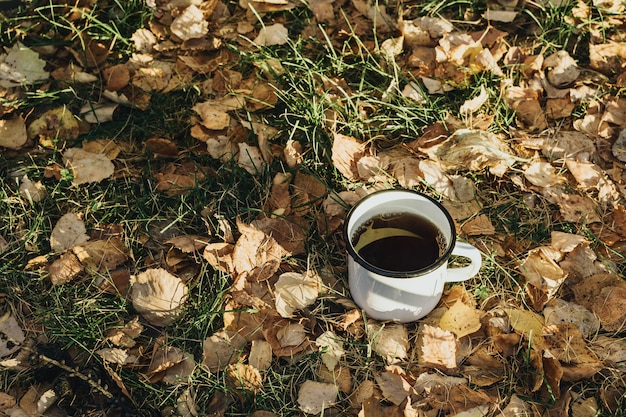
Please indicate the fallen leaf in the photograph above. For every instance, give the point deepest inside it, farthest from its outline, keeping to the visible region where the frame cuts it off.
(68, 231)
(125, 335)
(87, 167)
(479, 225)
(221, 349)
(391, 341)
(190, 24)
(543, 275)
(460, 319)
(276, 34)
(394, 387)
(314, 397)
(65, 269)
(13, 133)
(561, 69)
(559, 311)
(472, 105)
(526, 323)
(12, 335)
(243, 376)
(331, 347)
(256, 254)
(294, 291)
(438, 348)
(54, 128)
(102, 255)
(260, 354)
(158, 296)
(543, 174)
(346, 151)
(21, 65)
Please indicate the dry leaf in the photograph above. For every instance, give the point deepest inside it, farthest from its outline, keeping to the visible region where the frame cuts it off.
(276, 34)
(543, 275)
(190, 24)
(331, 347)
(478, 225)
(559, 311)
(543, 174)
(54, 125)
(475, 150)
(21, 65)
(220, 256)
(525, 322)
(260, 355)
(294, 291)
(221, 349)
(346, 151)
(394, 387)
(391, 341)
(12, 335)
(256, 254)
(244, 376)
(102, 255)
(65, 269)
(125, 336)
(460, 319)
(32, 191)
(472, 105)
(439, 348)
(158, 296)
(314, 397)
(67, 232)
(13, 132)
(87, 167)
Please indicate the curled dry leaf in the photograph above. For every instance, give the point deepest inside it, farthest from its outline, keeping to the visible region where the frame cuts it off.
(87, 166)
(256, 254)
(295, 291)
(561, 69)
(314, 397)
(125, 336)
(543, 275)
(244, 376)
(543, 174)
(346, 151)
(116, 355)
(287, 338)
(158, 296)
(68, 231)
(13, 133)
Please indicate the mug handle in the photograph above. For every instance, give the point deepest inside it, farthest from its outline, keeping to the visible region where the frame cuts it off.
(464, 273)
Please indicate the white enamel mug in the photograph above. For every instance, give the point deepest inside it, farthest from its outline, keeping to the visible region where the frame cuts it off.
(404, 296)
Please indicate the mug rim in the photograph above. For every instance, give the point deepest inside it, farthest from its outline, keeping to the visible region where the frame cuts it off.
(414, 273)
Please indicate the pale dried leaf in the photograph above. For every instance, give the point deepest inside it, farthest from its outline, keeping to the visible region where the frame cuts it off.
(276, 34)
(293, 334)
(504, 16)
(561, 69)
(116, 355)
(125, 336)
(425, 382)
(250, 159)
(12, 335)
(460, 319)
(102, 255)
(294, 291)
(46, 400)
(87, 167)
(158, 296)
(245, 376)
(472, 105)
(439, 347)
(314, 397)
(394, 387)
(516, 408)
(543, 174)
(21, 65)
(391, 341)
(478, 225)
(98, 112)
(331, 347)
(190, 24)
(256, 254)
(65, 269)
(559, 311)
(13, 133)
(565, 242)
(260, 354)
(525, 322)
(346, 151)
(221, 349)
(68, 231)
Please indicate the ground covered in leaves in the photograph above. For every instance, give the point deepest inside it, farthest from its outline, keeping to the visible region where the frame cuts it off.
(175, 176)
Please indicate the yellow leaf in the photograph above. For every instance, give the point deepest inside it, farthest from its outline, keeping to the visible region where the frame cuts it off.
(525, 322)
(460, 319)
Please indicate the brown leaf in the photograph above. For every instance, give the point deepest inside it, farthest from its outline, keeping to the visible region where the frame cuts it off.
(346, 151)
(340, 376)
(543, 275)
(256, 254)
(457, 398)
(287, 338)
(65, 269)
(221, 349)
(116, 77)
(314, 397)
(242, 376)
(13, 133)
(479, 225)
(102, 255)
(289, 232)
(220, 256)
(158, 296)
(125, 336)
(439, 348)
(394, 387)
(162, 147)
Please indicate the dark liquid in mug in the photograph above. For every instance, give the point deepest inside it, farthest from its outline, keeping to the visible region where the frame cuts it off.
(399, 242)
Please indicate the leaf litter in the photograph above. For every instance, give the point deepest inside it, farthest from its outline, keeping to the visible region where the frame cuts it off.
(565, 330)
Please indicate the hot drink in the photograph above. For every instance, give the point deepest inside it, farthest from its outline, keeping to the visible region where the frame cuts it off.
(399, 242)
